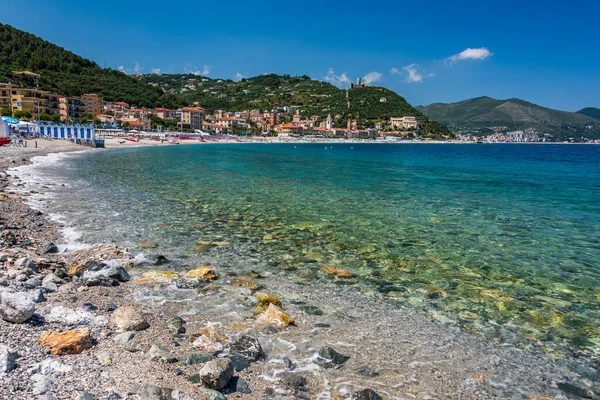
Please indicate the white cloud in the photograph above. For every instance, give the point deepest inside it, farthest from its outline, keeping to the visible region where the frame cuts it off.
(137, 68)
(412, 72)
(239, 76)
(337, 80)
(194, 70)
(470, 54)
(155, 70)
(122, 69)
(372, 77)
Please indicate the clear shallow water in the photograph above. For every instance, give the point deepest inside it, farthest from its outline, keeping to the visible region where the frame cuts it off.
(502, 239)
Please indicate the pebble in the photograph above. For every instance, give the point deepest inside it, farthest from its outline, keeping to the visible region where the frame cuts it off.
(366, 394)
(41, 383)
(128, 318)
(197, 358)
(217, 373)
(159, 353)
(237, 385)
(7, 360)
(123, 337)
(213, 394)
(16, 307)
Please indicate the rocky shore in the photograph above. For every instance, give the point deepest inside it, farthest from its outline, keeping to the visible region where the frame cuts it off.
(101, 323)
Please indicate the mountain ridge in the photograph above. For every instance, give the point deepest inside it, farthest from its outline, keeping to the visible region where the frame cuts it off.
(484, 115)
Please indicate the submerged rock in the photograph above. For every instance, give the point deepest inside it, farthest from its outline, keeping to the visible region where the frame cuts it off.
(128, 318)
(329, 358)
(217, 373)
(16, 307)
(69, 342)
(340, 273)
(204, 273)
(274, 316)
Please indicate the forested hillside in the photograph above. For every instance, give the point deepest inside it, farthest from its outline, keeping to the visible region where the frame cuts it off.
(67, 73)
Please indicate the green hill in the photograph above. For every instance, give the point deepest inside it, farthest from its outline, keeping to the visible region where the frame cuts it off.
(311, 97)
(483, 115)
(67, 73)
(590, 112)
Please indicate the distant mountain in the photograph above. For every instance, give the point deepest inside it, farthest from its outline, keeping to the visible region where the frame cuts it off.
(483, 115)
(590, 112)
(67, 73)
(367, 104)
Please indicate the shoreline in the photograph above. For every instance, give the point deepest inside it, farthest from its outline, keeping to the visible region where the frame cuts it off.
(394, 351)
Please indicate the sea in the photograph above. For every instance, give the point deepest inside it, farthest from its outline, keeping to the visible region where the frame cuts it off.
(502, 240)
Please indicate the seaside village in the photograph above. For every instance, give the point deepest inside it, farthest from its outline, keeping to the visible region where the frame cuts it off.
(119, 117)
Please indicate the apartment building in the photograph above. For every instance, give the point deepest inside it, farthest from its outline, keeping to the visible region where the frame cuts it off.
(93, 104)
(192, 117)
(406, 122)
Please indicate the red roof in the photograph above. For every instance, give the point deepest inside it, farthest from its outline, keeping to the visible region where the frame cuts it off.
(121, 103)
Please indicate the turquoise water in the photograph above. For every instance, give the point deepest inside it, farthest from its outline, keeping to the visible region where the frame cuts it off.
(500, 239)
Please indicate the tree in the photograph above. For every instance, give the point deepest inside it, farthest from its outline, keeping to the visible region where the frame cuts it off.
(6, 112)
(45, 117)
(126, 124)
(97, 121)
(55, 118)
(86, 117)
(22, 114)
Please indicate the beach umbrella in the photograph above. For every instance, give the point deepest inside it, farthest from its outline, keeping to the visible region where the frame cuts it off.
(10, 120)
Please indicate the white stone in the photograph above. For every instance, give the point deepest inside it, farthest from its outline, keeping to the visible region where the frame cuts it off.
(16, 307)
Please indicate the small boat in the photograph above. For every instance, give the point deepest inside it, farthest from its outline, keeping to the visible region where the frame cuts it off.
(132, 139)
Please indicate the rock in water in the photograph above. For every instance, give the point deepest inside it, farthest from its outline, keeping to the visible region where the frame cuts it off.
(366, 394)
(7, 360)
(159, 353)
(293, 381)
(204, 273)
(248, 347)
(340, 273)
(69, 342)
(329, 358)
(16, 307)
(217, 373)
(128, 318)
(274, 316)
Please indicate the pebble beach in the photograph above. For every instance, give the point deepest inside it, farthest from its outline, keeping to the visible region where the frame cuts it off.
(100, 322)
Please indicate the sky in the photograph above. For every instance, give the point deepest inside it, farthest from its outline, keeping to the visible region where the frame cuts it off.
(546, 52)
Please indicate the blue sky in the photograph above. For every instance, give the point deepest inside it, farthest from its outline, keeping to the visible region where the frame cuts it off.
(545, 52)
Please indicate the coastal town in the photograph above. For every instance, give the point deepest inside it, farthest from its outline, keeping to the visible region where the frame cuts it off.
(283, 121)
